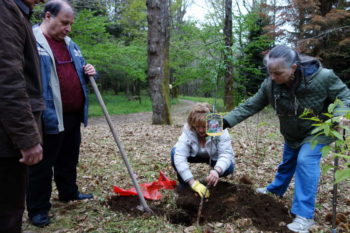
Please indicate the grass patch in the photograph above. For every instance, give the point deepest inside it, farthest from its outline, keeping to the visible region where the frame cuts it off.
(219, 102)
(118, 104)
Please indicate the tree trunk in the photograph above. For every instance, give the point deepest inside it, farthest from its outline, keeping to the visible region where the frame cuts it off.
(158, 59)
(228, 95)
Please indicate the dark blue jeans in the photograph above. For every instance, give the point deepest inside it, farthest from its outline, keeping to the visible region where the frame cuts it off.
(191, 159)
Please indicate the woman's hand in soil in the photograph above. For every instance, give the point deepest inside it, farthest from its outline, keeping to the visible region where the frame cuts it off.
(213, 178)
(200, 189)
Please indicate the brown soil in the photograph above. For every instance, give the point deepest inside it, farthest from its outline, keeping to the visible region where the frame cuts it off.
(227, 202)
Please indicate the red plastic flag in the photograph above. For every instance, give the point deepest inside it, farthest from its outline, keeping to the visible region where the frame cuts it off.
(149, 190)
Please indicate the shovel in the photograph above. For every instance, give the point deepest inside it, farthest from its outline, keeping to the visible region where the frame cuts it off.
(120, 146)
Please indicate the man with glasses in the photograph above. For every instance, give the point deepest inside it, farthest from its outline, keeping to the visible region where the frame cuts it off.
(21, 104)
(64, 80)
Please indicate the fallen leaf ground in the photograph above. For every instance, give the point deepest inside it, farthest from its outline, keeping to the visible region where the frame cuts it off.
(257, 144)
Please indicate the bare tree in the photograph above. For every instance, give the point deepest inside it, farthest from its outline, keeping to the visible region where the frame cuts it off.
(217, 11)
(178, 11)
(158, 59)
(228, 96)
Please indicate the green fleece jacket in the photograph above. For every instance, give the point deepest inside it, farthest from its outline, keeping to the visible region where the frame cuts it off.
(316, 91)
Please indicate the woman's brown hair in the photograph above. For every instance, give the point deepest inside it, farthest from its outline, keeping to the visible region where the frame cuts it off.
(198, 114)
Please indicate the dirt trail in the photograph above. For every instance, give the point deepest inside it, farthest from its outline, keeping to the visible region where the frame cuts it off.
(179, 110)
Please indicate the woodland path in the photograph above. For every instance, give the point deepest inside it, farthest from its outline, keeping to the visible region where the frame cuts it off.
(178, 110)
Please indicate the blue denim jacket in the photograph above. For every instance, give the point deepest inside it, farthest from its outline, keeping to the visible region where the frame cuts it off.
(53, 114)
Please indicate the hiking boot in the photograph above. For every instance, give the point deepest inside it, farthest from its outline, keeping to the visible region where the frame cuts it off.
(301, 225)
(261, 190)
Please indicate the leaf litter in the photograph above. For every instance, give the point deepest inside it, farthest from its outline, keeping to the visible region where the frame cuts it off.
(232, 207)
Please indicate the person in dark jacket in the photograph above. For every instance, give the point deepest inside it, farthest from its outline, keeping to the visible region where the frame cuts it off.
(64, 80)
(21, 104)
(295, 83)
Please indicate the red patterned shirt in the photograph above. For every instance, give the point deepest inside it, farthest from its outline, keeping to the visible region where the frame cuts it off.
(71, 90)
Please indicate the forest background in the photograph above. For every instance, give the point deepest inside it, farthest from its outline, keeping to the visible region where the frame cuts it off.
(225, 50)
(221, 57)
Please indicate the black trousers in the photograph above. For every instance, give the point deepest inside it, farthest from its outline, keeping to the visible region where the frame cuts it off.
(13, 186)
(61, 155)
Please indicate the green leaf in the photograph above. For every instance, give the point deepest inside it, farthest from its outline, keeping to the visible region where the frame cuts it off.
(331, 108)
(347, 115)
(326, 168)
(314, 119)
(314, 143)
(341, 175)
(316, 130)
(337, 135)
(305, 114)
(338, 145)
(342, 156)
(325, 150)
(326, 130)
(328, 115)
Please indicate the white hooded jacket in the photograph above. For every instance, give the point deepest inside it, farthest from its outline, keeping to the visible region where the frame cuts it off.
(219, 149)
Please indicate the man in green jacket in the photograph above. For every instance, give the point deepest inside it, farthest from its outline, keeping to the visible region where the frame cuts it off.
(21, 104)
(295, 83)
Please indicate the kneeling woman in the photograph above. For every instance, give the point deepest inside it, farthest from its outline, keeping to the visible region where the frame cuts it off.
(194, 146)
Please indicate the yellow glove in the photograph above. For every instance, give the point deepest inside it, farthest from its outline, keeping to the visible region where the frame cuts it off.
(200, 189)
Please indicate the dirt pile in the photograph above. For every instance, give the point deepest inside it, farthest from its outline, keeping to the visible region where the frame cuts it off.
(228, 202)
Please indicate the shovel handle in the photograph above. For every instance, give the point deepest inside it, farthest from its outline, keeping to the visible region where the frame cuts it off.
(119, 144)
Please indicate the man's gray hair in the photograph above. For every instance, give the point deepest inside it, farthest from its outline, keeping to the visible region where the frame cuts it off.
(55, 6)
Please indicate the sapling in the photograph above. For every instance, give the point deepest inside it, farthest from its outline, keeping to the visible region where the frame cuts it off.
(328, 124)
(331, 127)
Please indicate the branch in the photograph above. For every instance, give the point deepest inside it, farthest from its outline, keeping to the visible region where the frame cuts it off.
(325, 33)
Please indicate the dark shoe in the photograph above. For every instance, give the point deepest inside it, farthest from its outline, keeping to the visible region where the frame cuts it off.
(78, 197)
(40, 220)
(82, 196)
